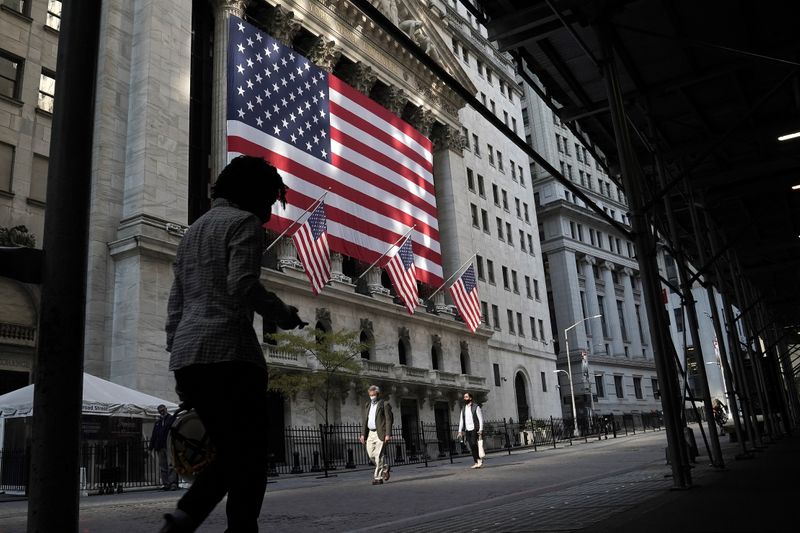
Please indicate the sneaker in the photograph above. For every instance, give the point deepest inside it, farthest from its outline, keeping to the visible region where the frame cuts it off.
(377, 482)
(386, 474)
(476, 465)
(479, 464)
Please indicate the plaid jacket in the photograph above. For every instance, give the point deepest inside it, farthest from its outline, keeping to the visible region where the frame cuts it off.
(217, 289)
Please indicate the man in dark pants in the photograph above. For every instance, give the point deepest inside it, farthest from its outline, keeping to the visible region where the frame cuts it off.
(471, 422)
(214, 350)
(158, 443)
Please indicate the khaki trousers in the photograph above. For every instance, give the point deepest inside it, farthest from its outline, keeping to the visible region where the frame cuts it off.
(376, 453)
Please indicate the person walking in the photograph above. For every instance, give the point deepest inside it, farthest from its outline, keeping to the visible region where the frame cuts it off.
(471, 423)
(377, 432)
(158, 444)
(214, 351)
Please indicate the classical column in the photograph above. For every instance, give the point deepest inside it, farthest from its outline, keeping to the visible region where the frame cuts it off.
(612, 315)
(223, 10)
(282, 26)
(287, 254)
(336, 268)
(564, 280)
(647, 344)
(597, 343)
(629, 308)
(359, 76)
(422, 119)
(447, 138)
(324, 54)
(392, 98)
(374, 285)
(439, 305)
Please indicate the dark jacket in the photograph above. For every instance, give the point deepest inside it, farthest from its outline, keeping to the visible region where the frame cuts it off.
(158, 439)
(383, 419)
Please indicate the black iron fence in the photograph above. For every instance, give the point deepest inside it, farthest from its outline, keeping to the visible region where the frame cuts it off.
(114, 467)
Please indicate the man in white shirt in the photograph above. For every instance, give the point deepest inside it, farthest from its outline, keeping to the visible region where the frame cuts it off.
(471, 421)
(377, 432)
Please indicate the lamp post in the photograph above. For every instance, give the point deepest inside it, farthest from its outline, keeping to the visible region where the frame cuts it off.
(569, 364)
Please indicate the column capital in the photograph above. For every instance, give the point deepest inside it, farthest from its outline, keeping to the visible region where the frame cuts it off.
(627, 271)
(230, 7)
(607, 265)
(422, 119)
(446, 137)
(359, 75)
(324, 54)
(392, 98)
(588, 260)
(283, 26)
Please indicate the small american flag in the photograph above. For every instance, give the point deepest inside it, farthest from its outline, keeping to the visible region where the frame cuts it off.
(323, 135)
(403, 274)
(311, 241)
(465, 295)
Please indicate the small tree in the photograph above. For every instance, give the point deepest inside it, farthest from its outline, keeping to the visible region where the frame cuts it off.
(336, 355)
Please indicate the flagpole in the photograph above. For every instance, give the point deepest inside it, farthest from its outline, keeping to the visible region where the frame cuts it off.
(314, 204)
(451, 277)
(386, 252)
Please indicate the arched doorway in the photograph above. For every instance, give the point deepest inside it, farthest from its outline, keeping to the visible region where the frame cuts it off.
(520, 391)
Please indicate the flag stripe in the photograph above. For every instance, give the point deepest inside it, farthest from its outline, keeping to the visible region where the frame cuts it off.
(465, 295)
(314, 253)
(373, 110)
(324, 136)
(361, 193)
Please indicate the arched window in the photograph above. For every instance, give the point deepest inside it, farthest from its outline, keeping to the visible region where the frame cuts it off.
(436, 353)
(366, 339)
(404, 347)
(401, 350)
(465, 366)
(434, 358)
(520, 391)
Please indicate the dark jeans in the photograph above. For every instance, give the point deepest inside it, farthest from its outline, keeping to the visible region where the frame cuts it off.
(231, 400)
(472, 440)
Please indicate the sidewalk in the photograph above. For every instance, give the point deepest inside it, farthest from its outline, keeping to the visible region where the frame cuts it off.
(749, 495)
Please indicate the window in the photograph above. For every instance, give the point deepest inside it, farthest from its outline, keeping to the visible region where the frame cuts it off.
(465, 133)
(465, 54)
(518, 207)
(572, 229)
(528, 287)
(474, 209)
(544, 381)
(521, 176)
(505, 199)
(508, 234)
(6, 166)
(479, 261)
(639, 322)
(519, 325)
(20, 6)
(622, 321)
(500, 161)
(533, 327)
(637, 387)
(510, 315)
(656, 390)
(496, 370)
(578, 152)
(505, 278)
(496, 194)
(536, 289)
(513, 124)
(38, 178)
(499, 228)
(485, 312)
(591, 236)
(480, 67)
(522, 240)
(455, 45)
(475, 145)
(489, 76)
(525, 211)
(618, 386)
(470, 180)
(483, 99)
(601, 305)
(569, 172)
(514, 282)
(492, 107)
(481, 187)
(502, 87)
(530, 244)
(496, 317)
(10, 75)
(598, 386)
(678, 319)
(541, 329)
(490, 270)
(566, 147)
(485, 220)
(505, 118)
(490, 152)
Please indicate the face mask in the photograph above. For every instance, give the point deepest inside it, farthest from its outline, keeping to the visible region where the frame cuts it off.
(373, 399)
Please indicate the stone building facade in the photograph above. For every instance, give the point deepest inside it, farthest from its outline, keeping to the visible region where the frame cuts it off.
(160, 138)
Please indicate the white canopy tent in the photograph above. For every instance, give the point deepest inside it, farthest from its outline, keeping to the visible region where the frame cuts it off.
(100, 397)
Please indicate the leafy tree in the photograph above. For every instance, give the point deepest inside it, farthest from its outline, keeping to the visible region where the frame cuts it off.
(336, 364)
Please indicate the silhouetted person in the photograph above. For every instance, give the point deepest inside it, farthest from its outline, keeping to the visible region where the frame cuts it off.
(216, 355)
(158, 444)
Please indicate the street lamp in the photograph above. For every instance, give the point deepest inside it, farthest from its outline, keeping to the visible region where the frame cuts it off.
(569, 364)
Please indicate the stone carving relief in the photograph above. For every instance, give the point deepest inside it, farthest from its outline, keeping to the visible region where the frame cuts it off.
(359, 76)
(283, 26)
(447, 138)
(324, 54)
(392, 98)
(422, 119)
(388, 8)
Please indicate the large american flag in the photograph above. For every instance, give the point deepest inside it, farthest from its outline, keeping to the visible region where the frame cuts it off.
(321, 133)
(311, 241)
(402, 272)
(465, 295)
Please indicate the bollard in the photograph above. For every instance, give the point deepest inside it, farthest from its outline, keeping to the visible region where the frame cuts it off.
(296, 469)
(350, 461)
